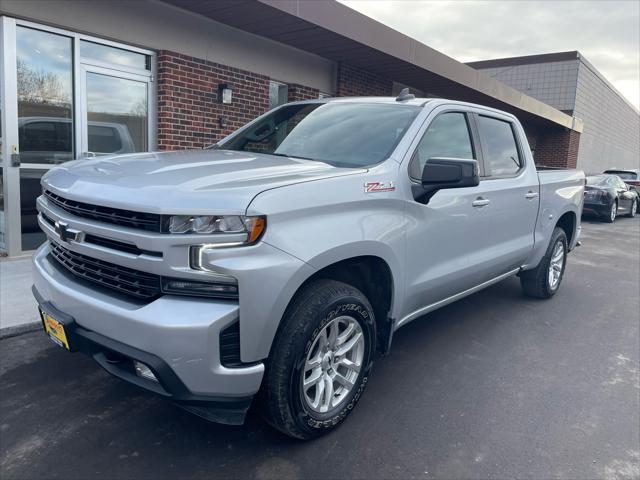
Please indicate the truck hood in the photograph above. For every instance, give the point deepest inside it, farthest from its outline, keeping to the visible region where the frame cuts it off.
(186, 182)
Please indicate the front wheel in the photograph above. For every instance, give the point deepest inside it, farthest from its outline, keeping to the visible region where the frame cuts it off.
(320, 361)
(544, 280)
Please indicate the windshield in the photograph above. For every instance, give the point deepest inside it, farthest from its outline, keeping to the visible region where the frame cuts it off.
(626, 175)
(600, 180)
(340, 134)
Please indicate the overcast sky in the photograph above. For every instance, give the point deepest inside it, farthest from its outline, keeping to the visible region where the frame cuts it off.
(606, 32)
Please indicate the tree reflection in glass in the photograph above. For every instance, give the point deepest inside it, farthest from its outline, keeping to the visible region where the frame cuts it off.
(45, 102)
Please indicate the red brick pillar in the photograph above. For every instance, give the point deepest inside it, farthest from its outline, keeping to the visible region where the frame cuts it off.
(557, 148)
(300, 92)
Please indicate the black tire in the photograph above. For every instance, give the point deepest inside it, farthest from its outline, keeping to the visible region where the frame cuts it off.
(633, 209)
(535, 282)
(612, 217)
(282, 400)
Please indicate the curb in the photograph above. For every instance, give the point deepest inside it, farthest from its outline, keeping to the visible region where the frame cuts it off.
(9, 332)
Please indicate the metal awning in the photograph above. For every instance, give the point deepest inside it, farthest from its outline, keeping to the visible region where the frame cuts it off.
(336, 32)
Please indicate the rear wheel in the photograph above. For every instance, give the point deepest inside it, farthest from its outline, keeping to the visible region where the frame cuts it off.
(320, 361)
(612, 212)
(633, 210)
(544, 280)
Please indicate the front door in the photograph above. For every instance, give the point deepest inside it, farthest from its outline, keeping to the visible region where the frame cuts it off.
(443, 233)
(625, 196)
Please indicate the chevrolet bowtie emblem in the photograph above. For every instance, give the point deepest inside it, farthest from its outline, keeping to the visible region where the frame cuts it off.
(65, 233)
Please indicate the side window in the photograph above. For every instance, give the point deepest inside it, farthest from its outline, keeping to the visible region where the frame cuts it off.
(447, 136)
(502, 156)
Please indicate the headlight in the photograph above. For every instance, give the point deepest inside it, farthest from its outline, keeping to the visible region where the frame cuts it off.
(253, 227)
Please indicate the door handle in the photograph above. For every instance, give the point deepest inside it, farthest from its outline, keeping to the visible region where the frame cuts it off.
(531, 195)
(481, 202)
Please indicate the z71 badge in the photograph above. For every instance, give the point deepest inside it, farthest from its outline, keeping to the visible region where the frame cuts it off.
(373, 187)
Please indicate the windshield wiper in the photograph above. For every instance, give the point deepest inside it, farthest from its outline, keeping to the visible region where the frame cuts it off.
(295, 156)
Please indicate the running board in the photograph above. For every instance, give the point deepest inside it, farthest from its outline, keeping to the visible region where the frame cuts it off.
(453, 298)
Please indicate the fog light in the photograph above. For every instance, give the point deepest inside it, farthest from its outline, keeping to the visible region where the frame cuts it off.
(143, 371)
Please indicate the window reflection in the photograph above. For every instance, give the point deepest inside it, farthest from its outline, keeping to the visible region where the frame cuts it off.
(45, 106)
(44, 64)
(118, 56)
(30, 188)
(117, 114)
(2, 227)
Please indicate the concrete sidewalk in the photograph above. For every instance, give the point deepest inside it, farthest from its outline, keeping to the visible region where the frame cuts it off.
(18, 309)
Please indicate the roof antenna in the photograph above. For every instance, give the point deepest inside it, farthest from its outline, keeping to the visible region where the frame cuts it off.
(405, 95)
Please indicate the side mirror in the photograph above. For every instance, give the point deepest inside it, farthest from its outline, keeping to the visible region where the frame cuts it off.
(442, 173)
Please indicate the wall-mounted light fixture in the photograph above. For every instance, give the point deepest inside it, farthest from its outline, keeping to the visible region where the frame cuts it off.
(225, 93)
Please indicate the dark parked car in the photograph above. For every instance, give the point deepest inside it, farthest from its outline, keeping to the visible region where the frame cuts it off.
(607, 196)
(630, 176)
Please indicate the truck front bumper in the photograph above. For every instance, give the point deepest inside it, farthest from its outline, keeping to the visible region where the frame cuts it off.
(177, 338)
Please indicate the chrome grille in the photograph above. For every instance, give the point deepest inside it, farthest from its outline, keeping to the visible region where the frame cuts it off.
(126, 218)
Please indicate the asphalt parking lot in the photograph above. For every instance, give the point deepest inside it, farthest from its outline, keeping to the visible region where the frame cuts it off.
(494, 386)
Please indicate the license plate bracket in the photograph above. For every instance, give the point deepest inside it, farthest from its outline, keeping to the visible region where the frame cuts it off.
(58, 327)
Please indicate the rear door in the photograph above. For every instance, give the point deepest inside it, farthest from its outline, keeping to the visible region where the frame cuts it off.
(511, 190)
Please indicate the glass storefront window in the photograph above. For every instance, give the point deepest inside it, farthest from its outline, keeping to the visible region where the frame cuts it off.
(113, 55)
(2, 224)
(44, 67)
(45, 96)
(30, 189)
(63, 113)
(117, 114)
(2, 227)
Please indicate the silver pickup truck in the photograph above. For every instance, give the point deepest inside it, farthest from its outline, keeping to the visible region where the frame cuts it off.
(278, 263)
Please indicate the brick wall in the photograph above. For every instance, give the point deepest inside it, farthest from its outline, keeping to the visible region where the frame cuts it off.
(557, 148)
(532, 136)
(188, 109)
(354, 82)
(300, 92)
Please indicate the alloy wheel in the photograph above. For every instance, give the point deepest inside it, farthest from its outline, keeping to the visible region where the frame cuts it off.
(333, 364)
(556, 265)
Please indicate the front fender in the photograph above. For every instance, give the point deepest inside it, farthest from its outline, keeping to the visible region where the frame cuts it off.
(365, 248)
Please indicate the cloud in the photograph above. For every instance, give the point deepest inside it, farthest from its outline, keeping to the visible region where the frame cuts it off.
(607, 33)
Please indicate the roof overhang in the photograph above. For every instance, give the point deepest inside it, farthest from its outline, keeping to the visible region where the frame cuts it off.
(334, 31)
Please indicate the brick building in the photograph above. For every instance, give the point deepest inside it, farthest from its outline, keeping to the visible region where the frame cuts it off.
(568, 82)
(84, 78)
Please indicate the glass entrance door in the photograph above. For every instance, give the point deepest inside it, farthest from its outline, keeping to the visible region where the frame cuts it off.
(115, 112)
(44, 63)
(63, 96)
